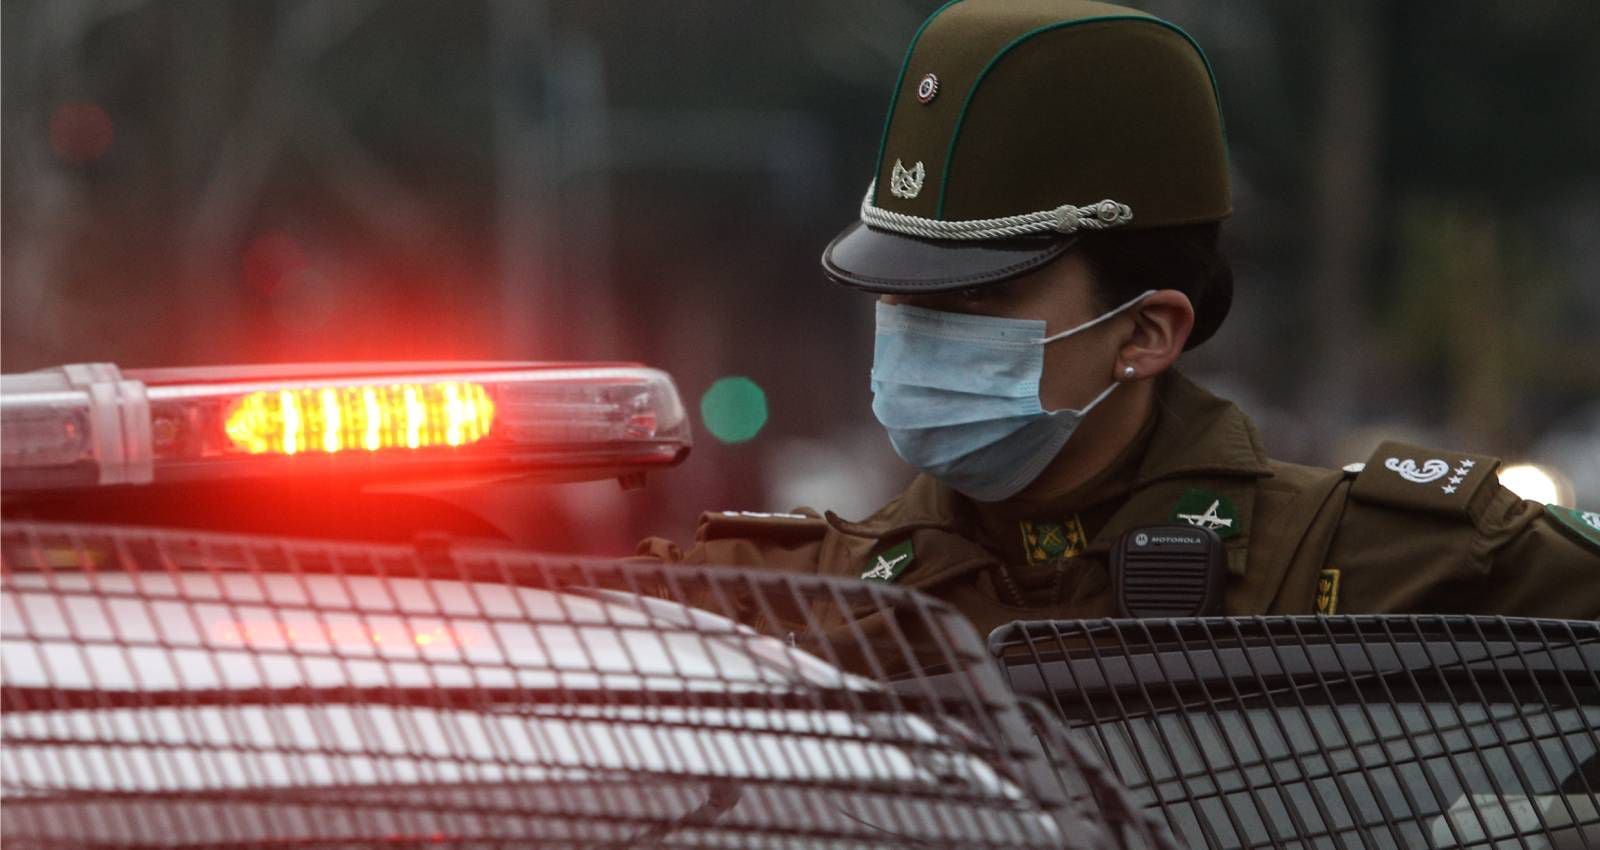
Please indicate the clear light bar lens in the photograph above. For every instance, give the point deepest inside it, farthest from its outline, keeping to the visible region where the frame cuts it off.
(94, 425)
(364, 418)
(46, 435)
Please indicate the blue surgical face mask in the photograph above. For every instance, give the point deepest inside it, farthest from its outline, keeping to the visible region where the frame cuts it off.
(959, 396)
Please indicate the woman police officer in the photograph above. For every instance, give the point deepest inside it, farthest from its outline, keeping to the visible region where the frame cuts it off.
(1042, 238)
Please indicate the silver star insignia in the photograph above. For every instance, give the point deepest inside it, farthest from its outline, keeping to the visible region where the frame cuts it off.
(1456, 479)
(1448, 490)
(1468, 463)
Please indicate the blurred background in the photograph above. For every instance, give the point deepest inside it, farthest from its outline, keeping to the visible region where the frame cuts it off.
(1417, 197)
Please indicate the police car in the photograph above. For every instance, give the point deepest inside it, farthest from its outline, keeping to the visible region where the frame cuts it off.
(194, 687)
(186, 686)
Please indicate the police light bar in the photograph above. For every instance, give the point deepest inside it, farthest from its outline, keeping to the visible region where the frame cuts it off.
(94, 424)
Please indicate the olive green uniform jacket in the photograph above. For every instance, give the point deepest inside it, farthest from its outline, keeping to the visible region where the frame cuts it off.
(1413, 531)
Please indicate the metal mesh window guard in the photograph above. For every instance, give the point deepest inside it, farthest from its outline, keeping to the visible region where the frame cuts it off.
(183, 689)
(1336, 732)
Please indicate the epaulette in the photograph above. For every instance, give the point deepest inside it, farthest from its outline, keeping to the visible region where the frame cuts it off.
(798, 527)
(1412, 478)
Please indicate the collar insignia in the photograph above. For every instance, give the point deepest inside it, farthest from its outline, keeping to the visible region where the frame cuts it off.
(1205, 509)
(887, 566)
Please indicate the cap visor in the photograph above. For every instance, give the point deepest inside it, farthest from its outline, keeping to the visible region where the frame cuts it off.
(877, 261)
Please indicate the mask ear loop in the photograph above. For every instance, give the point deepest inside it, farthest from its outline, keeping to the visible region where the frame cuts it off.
(1095, 321)
(1084, 411)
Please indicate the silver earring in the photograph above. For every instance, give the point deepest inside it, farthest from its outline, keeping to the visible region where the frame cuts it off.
(1128, 372)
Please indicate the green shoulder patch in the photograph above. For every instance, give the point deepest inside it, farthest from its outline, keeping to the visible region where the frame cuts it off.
(1584, 524)
(1205, 509)
(1045, 542)
(887, 566)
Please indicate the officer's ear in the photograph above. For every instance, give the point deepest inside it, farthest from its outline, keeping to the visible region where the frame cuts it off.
(1161, 325)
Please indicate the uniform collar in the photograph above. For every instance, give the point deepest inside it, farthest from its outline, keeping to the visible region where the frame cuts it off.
(1190, 434)
(1198, 434)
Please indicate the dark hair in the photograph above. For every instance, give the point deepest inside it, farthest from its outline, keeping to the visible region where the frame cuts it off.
(1124, 263)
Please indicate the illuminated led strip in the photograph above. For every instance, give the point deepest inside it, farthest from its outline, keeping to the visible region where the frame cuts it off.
(369, 418)
(90, 425)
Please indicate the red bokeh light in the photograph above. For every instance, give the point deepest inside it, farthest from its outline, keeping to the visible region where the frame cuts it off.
(271, 262)
(81, 132)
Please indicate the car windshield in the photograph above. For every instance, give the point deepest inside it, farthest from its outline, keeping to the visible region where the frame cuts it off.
(1371, 774)
(1380, 732)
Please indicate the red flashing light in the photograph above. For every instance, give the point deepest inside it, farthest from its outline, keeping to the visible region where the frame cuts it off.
(370, 418)
(93, 425)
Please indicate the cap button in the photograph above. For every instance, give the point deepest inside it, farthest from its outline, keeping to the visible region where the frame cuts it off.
(1108, 211)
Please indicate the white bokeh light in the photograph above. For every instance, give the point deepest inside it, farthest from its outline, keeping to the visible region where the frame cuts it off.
(1538, 483)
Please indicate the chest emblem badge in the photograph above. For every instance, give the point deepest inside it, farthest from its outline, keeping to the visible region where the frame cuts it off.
(1205, 509)
(888, 565)
(907, 182)
(1052, 542)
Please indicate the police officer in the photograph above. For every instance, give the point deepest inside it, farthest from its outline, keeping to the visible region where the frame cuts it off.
(1041, 235)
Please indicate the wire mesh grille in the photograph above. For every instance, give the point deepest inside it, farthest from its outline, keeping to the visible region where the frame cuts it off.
(179, 689)
(1334, 732)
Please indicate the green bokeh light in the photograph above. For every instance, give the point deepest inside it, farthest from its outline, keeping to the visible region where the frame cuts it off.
(734, 409)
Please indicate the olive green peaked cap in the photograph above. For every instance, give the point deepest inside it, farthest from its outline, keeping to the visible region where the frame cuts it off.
(1017, 124)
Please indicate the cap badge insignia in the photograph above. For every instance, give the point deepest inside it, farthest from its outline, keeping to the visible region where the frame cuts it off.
(907, 182)
(928, 88)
